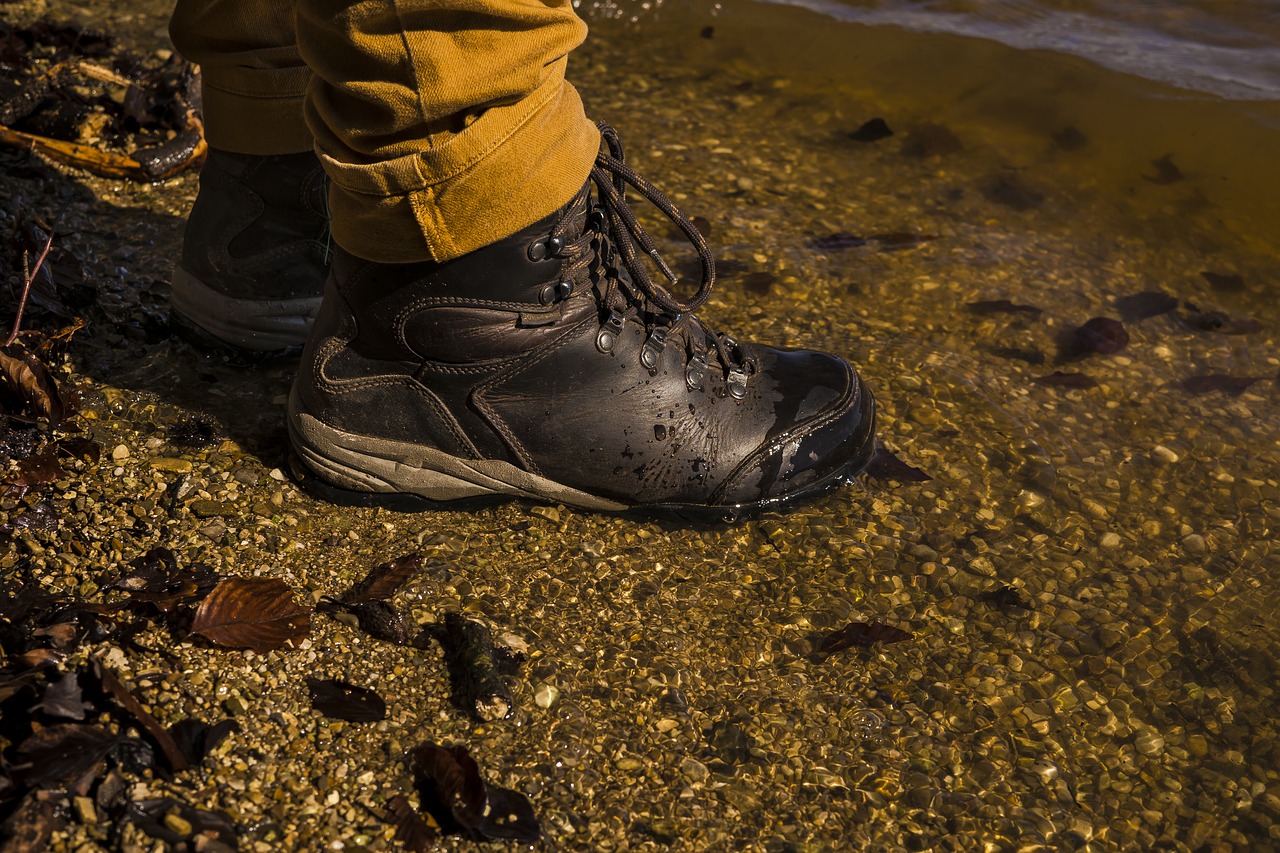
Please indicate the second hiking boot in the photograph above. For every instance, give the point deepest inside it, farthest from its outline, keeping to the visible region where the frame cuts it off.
(550, 366)
(254, 254)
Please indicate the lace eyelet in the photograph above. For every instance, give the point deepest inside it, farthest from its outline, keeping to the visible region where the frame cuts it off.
(695, 372)
(737, 383)
(607, 337)
(538, 251)
(651, 353)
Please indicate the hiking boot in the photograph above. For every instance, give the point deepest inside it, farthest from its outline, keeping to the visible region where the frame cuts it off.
(550, 366)
(254, 253)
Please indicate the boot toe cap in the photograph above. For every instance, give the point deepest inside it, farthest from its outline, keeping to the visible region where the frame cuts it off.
(826, 436)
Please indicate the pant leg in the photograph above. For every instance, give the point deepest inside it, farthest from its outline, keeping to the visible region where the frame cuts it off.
(253, 76)
(444, 124)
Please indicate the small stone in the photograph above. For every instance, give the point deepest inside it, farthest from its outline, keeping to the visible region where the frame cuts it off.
(172, 464)
(694, 770)
(550, 513)
(1148, 743)
(120, 452)
(85, 811)
(1194, 544)
(235, 706)
(666, 724)
(277, 474)
(746, 184)
(628, 765)
(1110, 539)
(545, 695)
(177, 824)
(210, 509)
(1163, 454)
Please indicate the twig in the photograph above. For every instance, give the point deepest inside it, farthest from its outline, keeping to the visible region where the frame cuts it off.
(28, 276)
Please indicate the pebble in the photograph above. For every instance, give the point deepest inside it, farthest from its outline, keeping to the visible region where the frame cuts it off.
(545, 695)
(1148, 743)
(120, 452)
(1163, 454)
(694, 770)
(172, 464)
(1110, 539)
(1194, 544)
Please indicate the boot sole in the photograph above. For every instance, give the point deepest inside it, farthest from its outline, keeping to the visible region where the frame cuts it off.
(356, 470)
(254, 325)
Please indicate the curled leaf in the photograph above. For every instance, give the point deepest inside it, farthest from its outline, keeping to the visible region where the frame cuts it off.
(451, 790)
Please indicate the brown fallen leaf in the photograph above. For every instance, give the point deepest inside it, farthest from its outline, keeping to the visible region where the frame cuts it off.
(1002, 306)
(382, 581)
(1233, 386)
(252, 613)
(25, 376)
(1059, 379)
(415, 832)
(453, 793)
(859, 634)
(343, 700)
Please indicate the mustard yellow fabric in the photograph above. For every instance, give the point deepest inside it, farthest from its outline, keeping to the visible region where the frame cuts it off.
(444, 125)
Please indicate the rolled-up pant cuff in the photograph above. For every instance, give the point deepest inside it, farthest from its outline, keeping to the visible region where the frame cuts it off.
(511, 167)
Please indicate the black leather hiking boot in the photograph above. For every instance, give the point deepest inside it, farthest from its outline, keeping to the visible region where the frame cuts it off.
(254, 253)
(550, 366)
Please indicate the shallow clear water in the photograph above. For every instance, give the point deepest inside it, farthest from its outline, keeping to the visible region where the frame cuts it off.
(1231, 49)
(1090, 574)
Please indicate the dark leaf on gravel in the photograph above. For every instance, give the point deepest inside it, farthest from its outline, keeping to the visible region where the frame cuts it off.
(380, 619)
(156, 578)
(382, 581)
(1233, 386)
(758, 282)
(58, 754)
(1012, 192)
(74, 447)
(872, 130)
(42, 516)
(25, 376)
(475, 668)
(1030, 356)
(1220, 322)
(930, 140)
(252, 613)
(1058, 379)
(193, 433)
(1149, 303)
(343, 700)
(1006, 598)
(1070, 139)
(149, 816)
(885, 465)
(1002, 306)
(196, 739)
(1167, 172)
(860, 634)
(1224, 282)
(117, 690)
(837, 242)
(37, 469)
(32, 824)
(1101, 335)
(64, 698)
(893, 240)
(412, 830)
(452, 792)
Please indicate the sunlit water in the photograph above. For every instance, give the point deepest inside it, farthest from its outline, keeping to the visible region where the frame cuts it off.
(1090, 574)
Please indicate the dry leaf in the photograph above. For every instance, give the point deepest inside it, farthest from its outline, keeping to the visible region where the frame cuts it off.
(252, 613)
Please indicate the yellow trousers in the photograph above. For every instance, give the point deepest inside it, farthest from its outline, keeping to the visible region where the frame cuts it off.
(444, 125)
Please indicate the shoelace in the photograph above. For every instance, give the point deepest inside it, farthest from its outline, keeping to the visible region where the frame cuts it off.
(613, 223)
